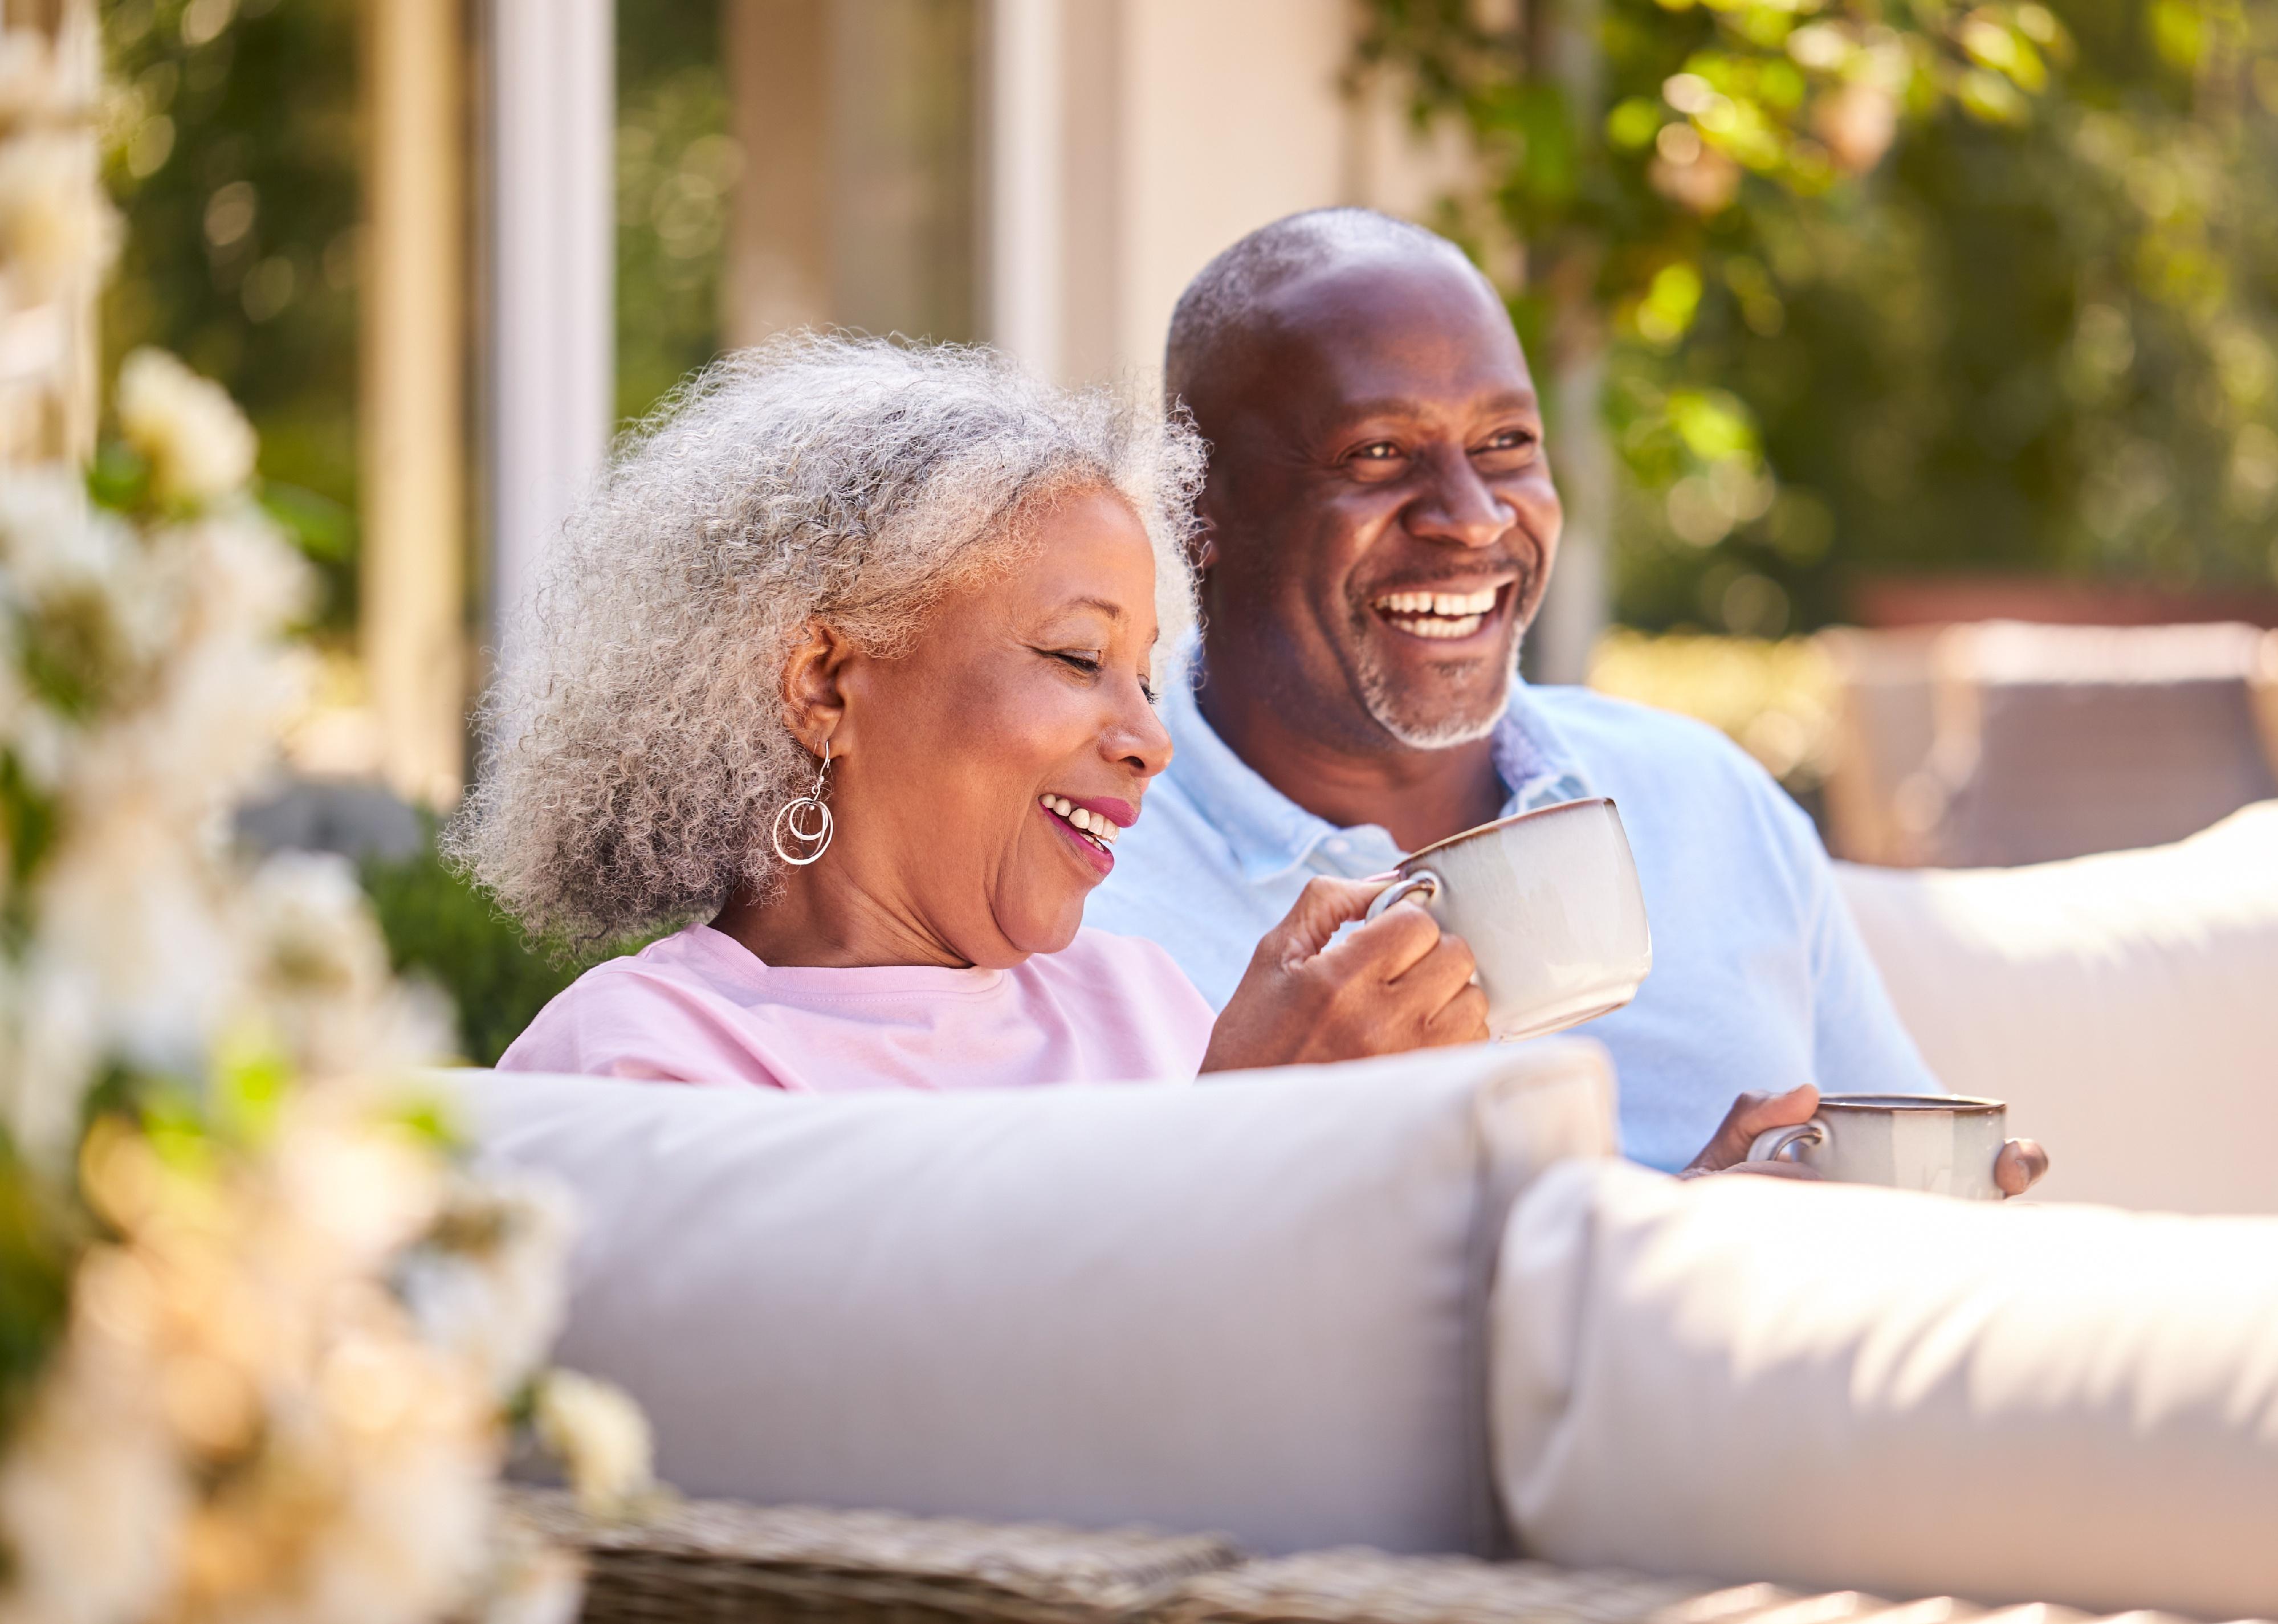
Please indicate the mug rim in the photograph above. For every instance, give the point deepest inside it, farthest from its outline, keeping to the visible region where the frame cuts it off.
(1505, 823)
(1960, 1104)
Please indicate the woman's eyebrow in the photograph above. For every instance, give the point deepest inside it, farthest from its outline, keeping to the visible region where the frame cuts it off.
(1113, 611)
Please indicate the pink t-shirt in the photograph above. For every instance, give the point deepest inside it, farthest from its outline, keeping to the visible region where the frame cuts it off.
(699, 1007)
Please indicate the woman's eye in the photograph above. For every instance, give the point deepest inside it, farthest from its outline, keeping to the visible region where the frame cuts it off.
(1085, 662)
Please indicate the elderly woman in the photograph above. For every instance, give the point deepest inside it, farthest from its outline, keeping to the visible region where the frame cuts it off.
(850, 661)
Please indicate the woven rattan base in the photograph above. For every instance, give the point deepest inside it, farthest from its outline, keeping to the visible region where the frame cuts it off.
(714, 1560)
(711, 1562)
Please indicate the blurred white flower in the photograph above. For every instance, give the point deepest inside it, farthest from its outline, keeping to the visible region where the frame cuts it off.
(91, 1496)
(280, 1394)
(601, 1438)
(322, 976)
(532, 1581)
(82, 577)
(126, 910)
(57, 230)
(200, 447)
(489, 1282)
(356, 1195)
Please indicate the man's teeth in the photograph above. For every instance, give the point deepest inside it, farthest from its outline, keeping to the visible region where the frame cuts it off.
(1464, 625)
(1102, 831)
(1438, 614)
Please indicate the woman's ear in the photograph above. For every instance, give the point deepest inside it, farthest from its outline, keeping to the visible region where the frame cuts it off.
(814, 689)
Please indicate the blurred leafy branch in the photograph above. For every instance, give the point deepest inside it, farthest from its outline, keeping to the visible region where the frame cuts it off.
(1920, 284)
(231, 144)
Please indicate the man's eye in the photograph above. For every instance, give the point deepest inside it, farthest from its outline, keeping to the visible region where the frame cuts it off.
(1378, 451)
(1511, 439)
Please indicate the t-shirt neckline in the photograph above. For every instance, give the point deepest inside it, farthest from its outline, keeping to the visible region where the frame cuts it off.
(741, 965)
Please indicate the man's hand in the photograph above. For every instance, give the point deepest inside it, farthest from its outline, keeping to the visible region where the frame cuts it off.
(1393, 984)
(1751, 1115)
(2020, 1166)
(2015, 1171)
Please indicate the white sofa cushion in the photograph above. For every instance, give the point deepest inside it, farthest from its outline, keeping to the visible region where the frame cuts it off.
(1256, 1305)
(1837, 1386)
(2126, 1005)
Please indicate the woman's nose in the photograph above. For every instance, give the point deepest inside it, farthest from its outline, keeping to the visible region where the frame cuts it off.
(1139, 740)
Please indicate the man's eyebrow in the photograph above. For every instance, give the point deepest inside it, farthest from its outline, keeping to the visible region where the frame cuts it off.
(1408, 406)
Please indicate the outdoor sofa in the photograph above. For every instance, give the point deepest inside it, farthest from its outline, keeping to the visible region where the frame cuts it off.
(1414, 1314)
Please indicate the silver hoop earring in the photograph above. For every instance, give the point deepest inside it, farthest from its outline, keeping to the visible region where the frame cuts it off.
(806, 821)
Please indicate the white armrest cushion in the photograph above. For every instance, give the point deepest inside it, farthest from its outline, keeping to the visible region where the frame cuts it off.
(2122, 1004)
(1843, 1387)
(1255, 1305)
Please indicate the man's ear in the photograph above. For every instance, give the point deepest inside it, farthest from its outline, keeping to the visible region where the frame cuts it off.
(814, 696)
(1202, 545)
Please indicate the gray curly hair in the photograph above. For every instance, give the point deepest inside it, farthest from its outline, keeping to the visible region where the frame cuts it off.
(634, 750)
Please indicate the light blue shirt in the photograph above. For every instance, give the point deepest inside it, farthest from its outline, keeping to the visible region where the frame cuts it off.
(1760, 979)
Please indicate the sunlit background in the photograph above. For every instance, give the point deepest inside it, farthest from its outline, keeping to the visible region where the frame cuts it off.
(1912, 373)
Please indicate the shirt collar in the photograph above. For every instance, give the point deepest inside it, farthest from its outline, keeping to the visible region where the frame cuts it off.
(1269, 833)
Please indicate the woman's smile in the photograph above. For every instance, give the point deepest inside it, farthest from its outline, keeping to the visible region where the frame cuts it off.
(1090, 825)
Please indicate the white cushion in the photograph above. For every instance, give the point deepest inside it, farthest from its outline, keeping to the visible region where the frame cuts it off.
(2126, 1005)
(1255, 1305)
(1839, 1387)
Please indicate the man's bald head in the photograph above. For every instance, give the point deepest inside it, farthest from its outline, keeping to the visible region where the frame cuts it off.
(1229, 298)
(1378, 521)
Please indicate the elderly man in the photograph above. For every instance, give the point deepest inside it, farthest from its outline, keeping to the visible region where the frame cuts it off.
(1377, 527)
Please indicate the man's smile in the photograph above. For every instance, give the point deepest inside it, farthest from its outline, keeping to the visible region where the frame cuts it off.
(1442, 615)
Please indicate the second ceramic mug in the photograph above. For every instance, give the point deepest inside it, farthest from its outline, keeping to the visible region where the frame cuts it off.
(1549, 902)
(1945, 1143)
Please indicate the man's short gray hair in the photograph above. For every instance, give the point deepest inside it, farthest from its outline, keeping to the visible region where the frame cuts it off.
(636, 751)
(1224, 298)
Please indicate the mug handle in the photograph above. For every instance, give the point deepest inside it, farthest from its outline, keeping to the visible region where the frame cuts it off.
(1776, 1144)
(1423, 880)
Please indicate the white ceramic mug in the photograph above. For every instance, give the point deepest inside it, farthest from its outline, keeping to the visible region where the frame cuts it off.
(1946, 1143)
(1548, 900)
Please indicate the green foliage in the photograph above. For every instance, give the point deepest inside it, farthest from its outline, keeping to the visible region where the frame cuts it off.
(675, 165)
(34, 1275)
(439, 927)
(1894, 288)
(231, 144)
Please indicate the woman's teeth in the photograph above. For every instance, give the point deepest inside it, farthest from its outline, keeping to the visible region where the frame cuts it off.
(1090, 825)
(1438, 614)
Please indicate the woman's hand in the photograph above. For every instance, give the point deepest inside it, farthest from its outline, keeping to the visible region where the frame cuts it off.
(2016, 1170)
(1393, 984)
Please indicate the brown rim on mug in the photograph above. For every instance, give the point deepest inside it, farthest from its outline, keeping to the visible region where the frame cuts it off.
(1505, 823)
(1960, 1104)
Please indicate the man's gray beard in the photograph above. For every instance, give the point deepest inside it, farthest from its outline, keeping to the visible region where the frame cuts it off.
(1383, 699)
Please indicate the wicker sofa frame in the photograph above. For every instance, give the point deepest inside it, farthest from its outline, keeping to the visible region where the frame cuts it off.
(717, 1562)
